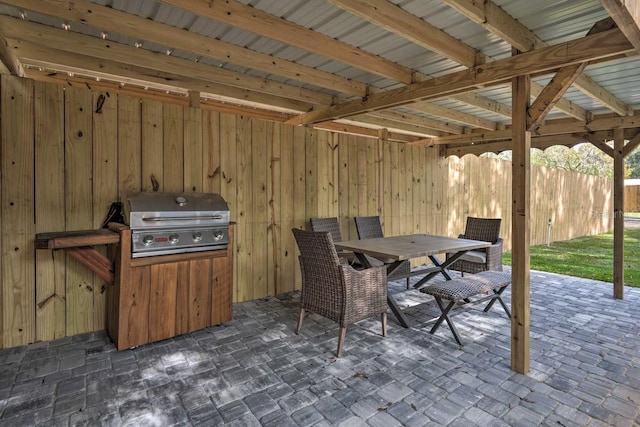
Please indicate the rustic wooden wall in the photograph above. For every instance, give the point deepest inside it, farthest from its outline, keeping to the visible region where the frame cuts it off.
(64, 160)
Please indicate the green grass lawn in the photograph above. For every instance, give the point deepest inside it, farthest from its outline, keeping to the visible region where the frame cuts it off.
(632, 214)
(590, 257)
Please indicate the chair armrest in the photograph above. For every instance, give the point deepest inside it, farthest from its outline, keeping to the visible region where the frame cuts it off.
(461, 236)
(365, 282)
(494, 255)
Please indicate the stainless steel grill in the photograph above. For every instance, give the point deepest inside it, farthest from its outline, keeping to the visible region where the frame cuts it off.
(173, 223)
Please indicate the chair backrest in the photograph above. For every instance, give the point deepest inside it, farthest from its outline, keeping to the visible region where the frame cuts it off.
(321, 272)
(368, 227)
(327, 224)
(485, 229)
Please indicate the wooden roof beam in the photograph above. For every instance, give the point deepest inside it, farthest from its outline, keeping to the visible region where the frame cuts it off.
(143, 77)
(564, 105)
(484, 103)
(494, 19)
(351, 129)
(603, 122)
(627, 16)
(112, 20)
(115, 21)
(9, 63)
(262, 23)
(631, 145)
(390, 123)
(597, 142)
(552, 93)
(418, 121)
(92, 47)
(396, 20)
(450, 114)
(595, 46)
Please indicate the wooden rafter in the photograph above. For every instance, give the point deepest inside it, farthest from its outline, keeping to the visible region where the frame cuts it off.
(351, 129)
(256, 21)
(172, 98)
(396, 20)
(494, 19)
(392, 123)
(604, 122)
(631, 145)
(96, 48)
(627, 16)
(418, 121)
(552, 93)
(458, 116)
(597, 142)
(115, 21)
(600, 45)
(9, 64)
(484, 103)
(563, 105)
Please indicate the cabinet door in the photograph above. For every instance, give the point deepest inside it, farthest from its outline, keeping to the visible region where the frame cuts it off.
(200, 283)
(162, 302)
(222, 293)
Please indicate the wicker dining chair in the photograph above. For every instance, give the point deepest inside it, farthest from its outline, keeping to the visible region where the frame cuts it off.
(487, 230)
(335, 290)
(370, 227)
(331, 225)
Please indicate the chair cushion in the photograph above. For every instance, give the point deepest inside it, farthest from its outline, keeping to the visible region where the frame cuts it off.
(474, 256)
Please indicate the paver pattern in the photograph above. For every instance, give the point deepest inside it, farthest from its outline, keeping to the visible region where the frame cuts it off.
(254, 370)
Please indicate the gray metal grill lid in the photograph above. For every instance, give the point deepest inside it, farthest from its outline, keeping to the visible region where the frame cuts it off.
(177, 210)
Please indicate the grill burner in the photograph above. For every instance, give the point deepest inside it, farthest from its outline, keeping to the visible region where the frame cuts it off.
(173, 223)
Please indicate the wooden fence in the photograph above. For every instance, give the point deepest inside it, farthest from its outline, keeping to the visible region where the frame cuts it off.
(632, 198)
(64, 161)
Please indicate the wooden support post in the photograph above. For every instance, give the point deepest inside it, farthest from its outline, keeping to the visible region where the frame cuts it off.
(521, 165)
(618, 214)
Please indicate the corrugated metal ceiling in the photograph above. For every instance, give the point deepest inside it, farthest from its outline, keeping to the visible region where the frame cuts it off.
(551, 20)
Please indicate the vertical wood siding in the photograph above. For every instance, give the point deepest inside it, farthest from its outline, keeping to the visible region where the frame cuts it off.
(64, 161)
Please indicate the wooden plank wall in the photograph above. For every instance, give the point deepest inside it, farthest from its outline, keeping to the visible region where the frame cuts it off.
(65, 160)
(632, 198)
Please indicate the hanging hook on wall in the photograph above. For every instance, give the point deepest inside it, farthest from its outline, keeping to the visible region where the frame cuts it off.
(100, 103)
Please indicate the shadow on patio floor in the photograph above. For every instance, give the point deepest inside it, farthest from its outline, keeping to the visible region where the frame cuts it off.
(254, 370)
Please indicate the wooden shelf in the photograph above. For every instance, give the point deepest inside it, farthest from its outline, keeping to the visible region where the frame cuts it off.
(78, 245)
(74, 239)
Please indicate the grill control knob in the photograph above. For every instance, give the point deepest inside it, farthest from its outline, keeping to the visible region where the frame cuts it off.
(181, 201)
(173, 238)
(197, 236)
(147, 240)
(218, 235)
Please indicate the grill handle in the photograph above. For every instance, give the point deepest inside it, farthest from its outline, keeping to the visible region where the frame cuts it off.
(180, 218)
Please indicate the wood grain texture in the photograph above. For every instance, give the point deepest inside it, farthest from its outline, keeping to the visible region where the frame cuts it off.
(211, 151)
(129, 146)
(521, 190)
(162, 301)
(18, 292)
(79, 205)
(200, 285)
(105, 182)
(49, 206)
(193, 150)
(259, 208)
(173, 148)
(152, 167)
(244, 202)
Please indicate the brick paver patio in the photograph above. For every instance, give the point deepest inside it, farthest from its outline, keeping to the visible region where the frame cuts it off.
(585, 369)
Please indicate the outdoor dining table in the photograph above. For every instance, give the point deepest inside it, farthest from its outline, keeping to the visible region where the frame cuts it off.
(392, 251)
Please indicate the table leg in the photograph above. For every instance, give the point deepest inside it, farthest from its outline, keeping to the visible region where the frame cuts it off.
(397, 311)
(440, 268)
